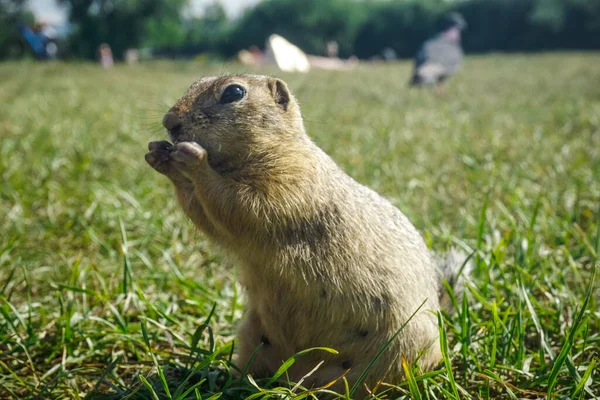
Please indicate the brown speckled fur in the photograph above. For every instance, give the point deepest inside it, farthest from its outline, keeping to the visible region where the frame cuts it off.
(325, 260)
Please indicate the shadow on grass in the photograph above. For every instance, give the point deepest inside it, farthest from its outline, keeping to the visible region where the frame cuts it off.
(178, 382)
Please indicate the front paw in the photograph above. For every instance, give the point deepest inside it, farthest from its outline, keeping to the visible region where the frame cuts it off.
(158, 156)
(190, 156)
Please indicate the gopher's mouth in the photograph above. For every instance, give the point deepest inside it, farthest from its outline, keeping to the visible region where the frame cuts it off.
(175, 134)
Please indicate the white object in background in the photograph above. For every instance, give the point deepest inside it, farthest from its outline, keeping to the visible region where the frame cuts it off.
(289, 58)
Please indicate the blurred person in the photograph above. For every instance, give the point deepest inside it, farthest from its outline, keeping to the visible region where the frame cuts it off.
(132, 56)
(252, 57)
(441, 56)
(41, 38)
(389, 54)
(332, 49)
(105, 55)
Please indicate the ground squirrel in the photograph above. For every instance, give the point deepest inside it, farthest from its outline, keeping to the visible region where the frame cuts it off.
(325, 260)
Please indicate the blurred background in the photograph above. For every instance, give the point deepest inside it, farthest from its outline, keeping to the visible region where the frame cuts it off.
(75, 29)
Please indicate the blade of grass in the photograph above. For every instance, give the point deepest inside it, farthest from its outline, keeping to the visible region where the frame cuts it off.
(106, 371)
(194, 349)
(250, 361)
(8, 280)
(290, 361)
(198, 334)
(481, 226)
(75, 289)
(494, 337)
(126, 263)
(520, 335)
(584, 380)
(598, 233)
(188, 391)
(536, 322)
(566, 348)
(446, 355)
(465, 334)
(496, 378)
(412, 383)
(159, 370)
(150, 388)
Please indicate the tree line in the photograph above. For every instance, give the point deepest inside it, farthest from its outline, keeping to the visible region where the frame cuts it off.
(361, 27)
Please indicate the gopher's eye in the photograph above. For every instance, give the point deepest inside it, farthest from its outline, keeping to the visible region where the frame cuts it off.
(232, 93)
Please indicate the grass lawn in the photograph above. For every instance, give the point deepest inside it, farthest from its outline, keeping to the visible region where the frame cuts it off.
(106, 288)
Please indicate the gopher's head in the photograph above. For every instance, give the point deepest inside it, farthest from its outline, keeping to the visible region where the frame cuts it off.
(235, 118)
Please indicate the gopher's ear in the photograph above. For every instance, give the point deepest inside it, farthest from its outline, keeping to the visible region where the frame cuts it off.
(280, 93)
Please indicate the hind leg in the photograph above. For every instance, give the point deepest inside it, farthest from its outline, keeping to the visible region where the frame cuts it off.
(256, 354)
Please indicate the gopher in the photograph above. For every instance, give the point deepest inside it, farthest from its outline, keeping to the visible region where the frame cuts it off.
(326, 262)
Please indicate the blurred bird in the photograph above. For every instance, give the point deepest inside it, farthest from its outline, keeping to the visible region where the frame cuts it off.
(441, 56)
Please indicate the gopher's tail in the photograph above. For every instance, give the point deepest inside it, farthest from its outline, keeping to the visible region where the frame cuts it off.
(455, 268)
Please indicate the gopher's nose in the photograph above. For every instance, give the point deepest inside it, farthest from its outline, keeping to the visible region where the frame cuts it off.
(171, 121)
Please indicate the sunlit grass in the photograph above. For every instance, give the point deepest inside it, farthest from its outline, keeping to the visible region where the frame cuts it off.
(107, 289)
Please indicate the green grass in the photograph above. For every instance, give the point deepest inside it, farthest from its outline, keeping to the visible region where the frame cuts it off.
(107, 289)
